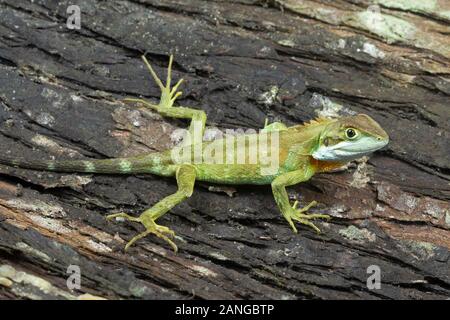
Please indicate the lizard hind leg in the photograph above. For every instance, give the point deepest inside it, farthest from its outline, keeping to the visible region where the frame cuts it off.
(165, 106)
(168, 94)
(185, 176)
(152, 227)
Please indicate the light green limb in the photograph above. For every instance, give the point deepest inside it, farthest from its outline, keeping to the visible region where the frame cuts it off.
(274, 126)
(289, 212)
(165, 106)
(185, 175)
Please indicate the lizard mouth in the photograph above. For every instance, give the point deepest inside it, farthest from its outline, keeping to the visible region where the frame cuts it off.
(349, 150)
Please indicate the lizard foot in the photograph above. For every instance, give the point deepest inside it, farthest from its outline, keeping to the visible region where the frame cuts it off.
(299, 216)
(168, 94)
(151, 228)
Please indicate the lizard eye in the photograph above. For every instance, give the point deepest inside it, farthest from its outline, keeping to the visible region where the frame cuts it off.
(350, 133)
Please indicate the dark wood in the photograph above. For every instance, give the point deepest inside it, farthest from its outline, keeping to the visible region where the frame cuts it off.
(243, 61)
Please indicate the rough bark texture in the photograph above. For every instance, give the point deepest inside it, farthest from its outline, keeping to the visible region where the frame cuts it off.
(243, 61)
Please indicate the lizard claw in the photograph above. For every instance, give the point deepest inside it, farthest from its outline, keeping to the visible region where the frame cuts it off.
(161, 232)
(300, 216)
(168, 94)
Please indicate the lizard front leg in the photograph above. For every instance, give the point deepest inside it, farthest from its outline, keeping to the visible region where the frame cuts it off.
(274, 126)
(289, 212)
(185, 175)
(168, 97)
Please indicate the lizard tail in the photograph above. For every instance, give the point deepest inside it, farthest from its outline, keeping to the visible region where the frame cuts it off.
(139, 164)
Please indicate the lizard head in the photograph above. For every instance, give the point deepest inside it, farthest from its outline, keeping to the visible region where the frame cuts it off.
(350, 138)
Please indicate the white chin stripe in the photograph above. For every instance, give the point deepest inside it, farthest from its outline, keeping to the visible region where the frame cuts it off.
(348, 150)
(327, 154)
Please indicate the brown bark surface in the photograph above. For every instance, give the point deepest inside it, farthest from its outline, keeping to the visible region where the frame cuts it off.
(243, 61)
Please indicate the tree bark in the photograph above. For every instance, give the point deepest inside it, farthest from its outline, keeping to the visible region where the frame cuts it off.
(243, 61)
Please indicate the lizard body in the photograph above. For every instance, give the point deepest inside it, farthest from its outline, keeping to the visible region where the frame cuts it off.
(278, 155)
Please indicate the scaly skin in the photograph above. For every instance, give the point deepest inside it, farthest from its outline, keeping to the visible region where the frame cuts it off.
(301, 151)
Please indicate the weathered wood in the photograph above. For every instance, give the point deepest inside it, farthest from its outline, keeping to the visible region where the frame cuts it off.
(243, 61)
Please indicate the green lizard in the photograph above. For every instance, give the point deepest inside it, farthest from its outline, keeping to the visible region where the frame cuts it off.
(292, 155)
